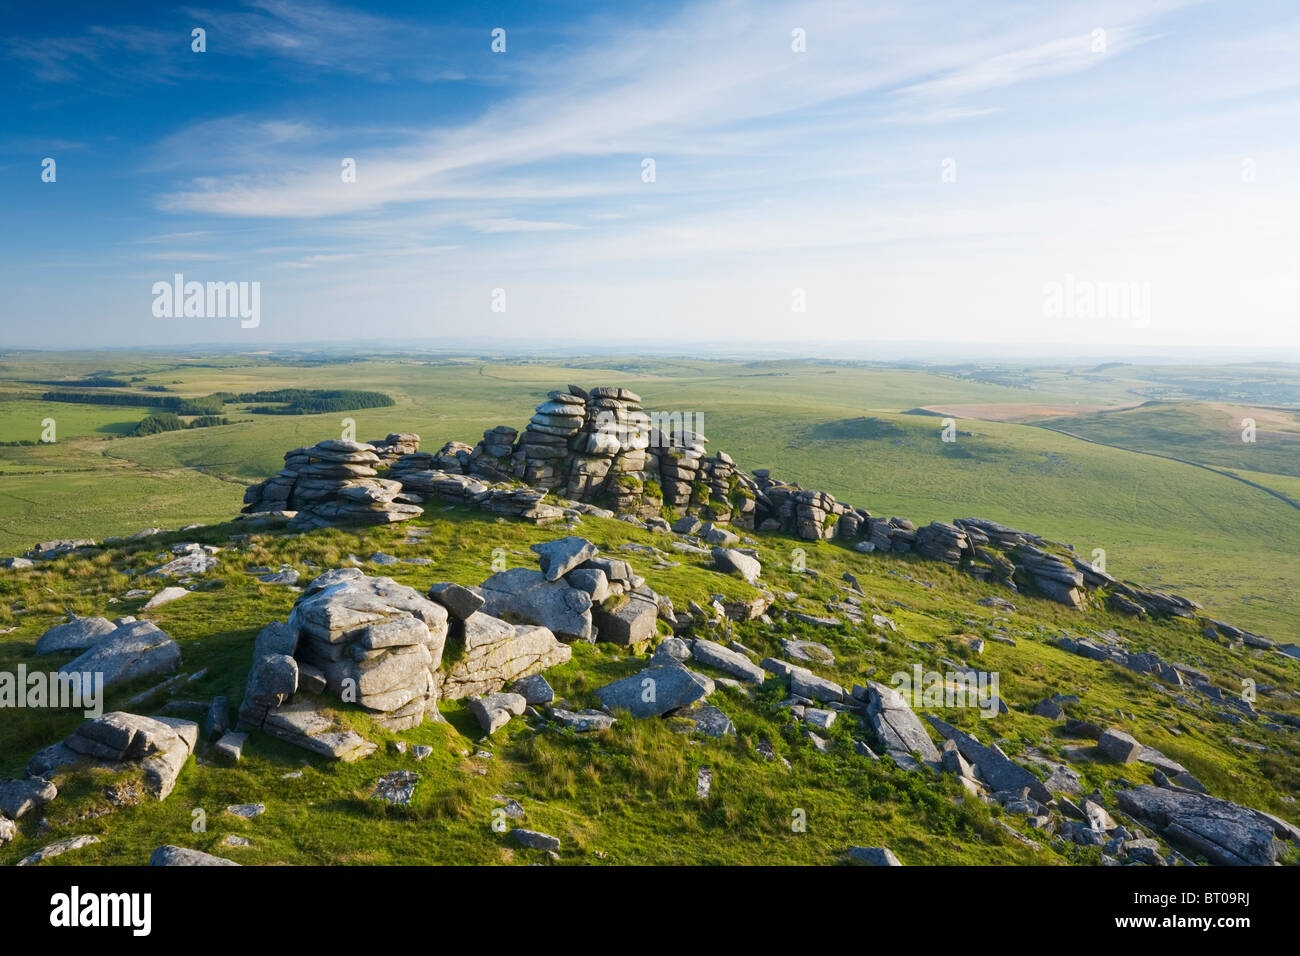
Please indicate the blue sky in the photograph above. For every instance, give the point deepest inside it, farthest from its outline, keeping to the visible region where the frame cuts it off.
(1138, 145)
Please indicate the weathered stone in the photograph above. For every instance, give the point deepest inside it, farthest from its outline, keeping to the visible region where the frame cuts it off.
(186, 565)
(135, 650)
(557, 558)
(157, 747)
(534, 840)
(527, 595)
(726, 660)
(895, 724)
(58, 849)
(1049, 709)
(231, 746)
(1225, 833)
(1119, 746)
(459, 600)
(181, 856)
(952, 761)
(807, 651)
(671, 649)
(873, 856)
(591, 580)
(78, 634)
(534, 689)
(805, 683)
(497, 652)
(582, 721)
(655, 691)
(730, 561)
(628, 620)
(217, 720)
(495, 710)
(373, 636)
(165, 596)
(999, 771)
(709, 720)
(18, 797)
(819, 718)
(397, 787)
(299, 723)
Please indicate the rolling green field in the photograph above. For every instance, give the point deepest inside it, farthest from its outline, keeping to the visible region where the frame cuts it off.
(23, 419)
(1208, 433)
(1160, 522)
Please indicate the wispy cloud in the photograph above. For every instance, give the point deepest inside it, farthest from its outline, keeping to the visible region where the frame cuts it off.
(325, 36)
(519, 225)
(704, 96)
(139, 53)
(322, 35)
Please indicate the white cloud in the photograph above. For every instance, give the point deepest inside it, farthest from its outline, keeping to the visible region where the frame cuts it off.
(519, 225)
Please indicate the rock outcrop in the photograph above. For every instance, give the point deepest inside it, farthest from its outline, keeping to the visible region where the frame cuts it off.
(495, 653)
(334, 482)
(601, 451)
(76, 634)
(895, 724)
(380, 644)
(156, 747)
(374, 642)
(136, 649)
(1223, 832)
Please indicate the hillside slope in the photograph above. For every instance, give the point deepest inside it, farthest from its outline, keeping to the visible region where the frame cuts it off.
(629, 794)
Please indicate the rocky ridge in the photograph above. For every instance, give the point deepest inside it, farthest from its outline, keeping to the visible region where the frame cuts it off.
(599, 451)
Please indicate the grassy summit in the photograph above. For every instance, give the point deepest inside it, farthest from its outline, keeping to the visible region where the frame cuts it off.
(629, 794)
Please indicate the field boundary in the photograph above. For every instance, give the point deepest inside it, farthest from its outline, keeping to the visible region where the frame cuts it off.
(1183, 461)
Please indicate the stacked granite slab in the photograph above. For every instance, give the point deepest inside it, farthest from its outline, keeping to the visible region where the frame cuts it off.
(852, 524)
(542, 455)
(379, 644)
(579, 594)
(527, 503)
(815, 515)
(811, 515)
(896, 535)
(394, 446)
(729, 494)
(495, 653)
(616, 439)
(420, 474)
(677, 456)
(155, 747)
(373, 639)
(1151, 601)
(940, 541)
(983, 531)
(453, 457)
(332, 482)
(417, 475)
(369, 641)
(1048, 574)
(490, 458)
(583, 444)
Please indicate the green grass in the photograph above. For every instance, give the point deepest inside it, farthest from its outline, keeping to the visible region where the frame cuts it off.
(1208, 434)
(23, 420)
(628, 795)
